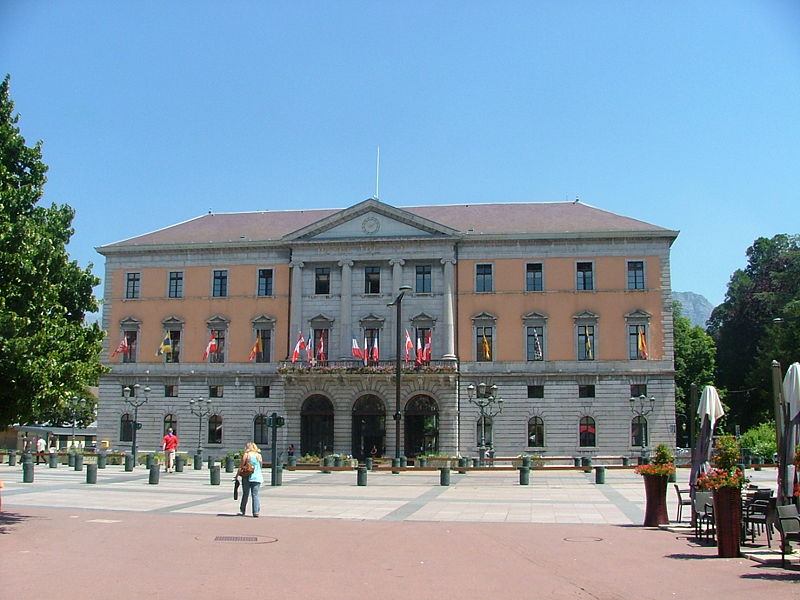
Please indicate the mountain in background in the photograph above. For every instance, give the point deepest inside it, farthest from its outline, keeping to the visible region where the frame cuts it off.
(694, 306)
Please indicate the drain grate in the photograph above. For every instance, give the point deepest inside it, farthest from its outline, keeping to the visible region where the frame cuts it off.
(237, 538)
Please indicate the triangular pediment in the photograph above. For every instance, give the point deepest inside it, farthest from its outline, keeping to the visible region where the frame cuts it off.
(370, 219)
(638, 314)
(534, 316)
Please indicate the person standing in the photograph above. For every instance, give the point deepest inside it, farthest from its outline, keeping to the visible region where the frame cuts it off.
(169, 445)
(251, 483)
(41, 446)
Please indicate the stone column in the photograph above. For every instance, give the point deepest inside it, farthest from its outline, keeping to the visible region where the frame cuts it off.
(397, 281)
(448, 323)
(346, 310)
(295, 303)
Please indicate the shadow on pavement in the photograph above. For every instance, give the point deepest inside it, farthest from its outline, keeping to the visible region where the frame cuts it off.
(685, 556)
(790, 575)
(7, 518)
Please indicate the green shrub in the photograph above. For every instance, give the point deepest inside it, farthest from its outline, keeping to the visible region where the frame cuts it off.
(726, 452)
(663, 455)
(760, 440)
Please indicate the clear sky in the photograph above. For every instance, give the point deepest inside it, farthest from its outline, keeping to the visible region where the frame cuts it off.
(682, 114)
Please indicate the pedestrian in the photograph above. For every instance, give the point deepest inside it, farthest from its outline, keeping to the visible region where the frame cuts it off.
(290, 450)
(252, 478)
(169, 445)
(41, 446)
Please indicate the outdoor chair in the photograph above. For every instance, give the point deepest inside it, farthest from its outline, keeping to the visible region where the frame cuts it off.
(703, 509)
(788, 525)
(759, 515)
(684, 499)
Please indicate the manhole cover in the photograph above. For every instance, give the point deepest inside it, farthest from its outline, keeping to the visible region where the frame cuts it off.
(252, 539)
(583, 539)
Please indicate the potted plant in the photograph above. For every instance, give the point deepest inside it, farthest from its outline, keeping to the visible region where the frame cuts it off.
(656, 475)
(725, 482)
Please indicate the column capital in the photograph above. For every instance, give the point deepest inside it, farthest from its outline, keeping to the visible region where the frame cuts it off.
(450, 261)
(397, 261)
(345, 262)
(297, 263)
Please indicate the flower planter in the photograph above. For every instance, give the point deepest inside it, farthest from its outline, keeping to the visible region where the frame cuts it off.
(655, 488)
(728, 520)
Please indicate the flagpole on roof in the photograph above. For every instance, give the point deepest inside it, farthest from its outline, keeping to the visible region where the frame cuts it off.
(378, 174)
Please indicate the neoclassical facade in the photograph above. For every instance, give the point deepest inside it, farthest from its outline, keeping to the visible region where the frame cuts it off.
(564, 307)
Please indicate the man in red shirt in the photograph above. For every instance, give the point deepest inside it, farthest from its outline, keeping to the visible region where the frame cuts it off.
(169, 445)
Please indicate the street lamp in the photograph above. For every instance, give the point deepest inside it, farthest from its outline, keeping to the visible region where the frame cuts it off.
(641, 406)
(77, 405)
(197, 408)
(397, 368)
(489, 405)
(135, 402)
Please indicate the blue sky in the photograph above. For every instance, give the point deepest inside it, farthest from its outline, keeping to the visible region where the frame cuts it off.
(681, 114)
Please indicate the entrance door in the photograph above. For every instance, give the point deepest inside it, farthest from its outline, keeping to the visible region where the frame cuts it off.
(422, 426)
(316, 426)
(369, 427)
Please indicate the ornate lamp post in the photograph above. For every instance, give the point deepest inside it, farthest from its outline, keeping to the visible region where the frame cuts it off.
(135, 402)
(197, 408)
(641, 406)
(489, 405)
(397, 368)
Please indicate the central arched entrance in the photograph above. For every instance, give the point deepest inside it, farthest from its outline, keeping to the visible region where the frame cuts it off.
(422, 426)
(369, 427)
(316, 426)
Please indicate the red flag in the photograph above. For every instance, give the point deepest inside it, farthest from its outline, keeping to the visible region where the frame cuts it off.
(357, 353)
(366, 351)
(301, 345)
(375, 354)
(420, 352)
(409, 345)
(123, 347)
(427, 349)
(211, 346)
(256, 349)
(321, 349)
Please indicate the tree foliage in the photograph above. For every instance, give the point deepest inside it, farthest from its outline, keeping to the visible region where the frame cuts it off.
(48, 355)
(744, 328)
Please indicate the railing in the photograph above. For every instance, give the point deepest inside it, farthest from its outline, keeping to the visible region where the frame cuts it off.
(380, 367)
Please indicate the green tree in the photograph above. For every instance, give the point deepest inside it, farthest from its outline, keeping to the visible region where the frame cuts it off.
(744, 328)
(48, 355)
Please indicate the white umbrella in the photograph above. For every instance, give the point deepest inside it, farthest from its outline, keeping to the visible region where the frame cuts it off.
(710, 411)
(791, 424)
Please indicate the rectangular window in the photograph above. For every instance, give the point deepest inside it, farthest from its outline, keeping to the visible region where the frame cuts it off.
(220, 288)
(216, 391)
(130, 355)
(423, 279)
(172, 351)
(535, 391)
(585, 342)
(132, 283)
(262, 391)
(319, 345)
(637, 342)
(585, 391)
(534, 279)
(170, 391)
(638, 389)
(372, 280)
(535, 342)
(585, 274)
(175, 284)
(265, 282)
(484, 344)
(322, 280)
(263, 352)
(216, 352)
(372, 346)
(483, 278)
(635, 274)
(260, 430)
(422, 346)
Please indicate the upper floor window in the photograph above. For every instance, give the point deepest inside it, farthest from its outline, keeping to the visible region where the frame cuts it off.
(220, 287)
(170, 347)
(371, 346)
(322, 280)
(483, 278)
(175, 287)
(319, 345)
(534, 277)
(129, 356)
(265, 282)
(423, 279)
(262, 349)
(535, 342)
(637, 342)
(132, 285)
(585, 276)
(585, 342)
(372, 280)
(215, 349)
(484, 343)
(635, 274)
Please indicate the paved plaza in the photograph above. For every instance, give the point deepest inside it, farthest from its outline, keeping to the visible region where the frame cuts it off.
(322, 536)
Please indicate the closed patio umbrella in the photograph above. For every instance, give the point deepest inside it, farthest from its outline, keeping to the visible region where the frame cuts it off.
(710, 411)
(791, 430)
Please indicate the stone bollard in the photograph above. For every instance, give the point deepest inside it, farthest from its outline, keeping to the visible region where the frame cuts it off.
(71, 460)
(444, 475)
(526, 461)
(599, 474)
(395, 465)
(229, 464)
(368, 462)
(102, 459)
(210, 460)
(12, 459)
(79, 462)
(292, 461)
(462, 464)
(403, 461)
(276, 478)
(198, 461)
(214, 474)
(53, 460)
(626, 461)
(91, 473)
(179, 460)
(129, 462)
(476, 462)
(148, 460)
(361, 477)
(326, 462)
(422, 462)
(524, 475)
(756, 463)
(586, 461)
(27, 472)
(154, 474)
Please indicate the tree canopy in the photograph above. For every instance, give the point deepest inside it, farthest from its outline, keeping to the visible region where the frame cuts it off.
(746, 331)
(48, 355)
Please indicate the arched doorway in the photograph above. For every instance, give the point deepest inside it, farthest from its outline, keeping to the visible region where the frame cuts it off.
(422, 426)
(316, 426)
(369, 427)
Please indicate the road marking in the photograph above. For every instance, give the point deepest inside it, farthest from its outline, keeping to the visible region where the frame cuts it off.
(104, 521)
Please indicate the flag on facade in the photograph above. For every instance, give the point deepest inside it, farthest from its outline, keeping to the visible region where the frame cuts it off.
(166, 345)
(427, 350)
(487, 350)
(301, 345)
(257, 348)
(321, 349)
(409, 345)
(375, 354)
(641, 345)
(123, 347)
(537, 346)
(420, 352)
(357, 353)
(587, 345)
(211, 347)
(310, 349)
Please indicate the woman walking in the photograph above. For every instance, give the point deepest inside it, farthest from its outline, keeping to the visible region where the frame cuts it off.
(251, 461)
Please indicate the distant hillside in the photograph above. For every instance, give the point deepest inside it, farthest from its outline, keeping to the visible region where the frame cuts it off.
(694, 306)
